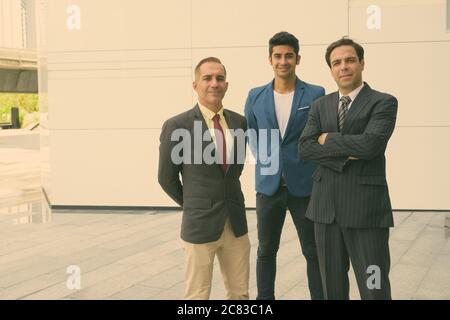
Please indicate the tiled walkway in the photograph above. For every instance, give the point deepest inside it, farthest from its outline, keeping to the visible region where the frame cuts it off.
(139, 256)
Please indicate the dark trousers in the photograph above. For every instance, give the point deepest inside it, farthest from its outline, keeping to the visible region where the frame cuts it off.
(271, 212)
(368, 251)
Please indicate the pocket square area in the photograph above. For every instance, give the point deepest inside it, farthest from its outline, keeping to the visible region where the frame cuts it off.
(302, 108)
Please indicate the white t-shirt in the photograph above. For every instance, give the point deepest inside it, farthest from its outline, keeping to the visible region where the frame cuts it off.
(283, 105)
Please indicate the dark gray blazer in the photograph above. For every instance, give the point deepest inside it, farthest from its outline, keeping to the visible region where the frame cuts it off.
(207, 195)
(354, 192)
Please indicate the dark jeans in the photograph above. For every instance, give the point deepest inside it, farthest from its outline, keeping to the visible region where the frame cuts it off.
(271, 213)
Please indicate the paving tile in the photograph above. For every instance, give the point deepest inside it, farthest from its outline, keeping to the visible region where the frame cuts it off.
(289, 251)
(290, 275)
(298, 292)
(354, 291)
(140, 232)
(401, 216)
(166, 279)
(436, 283)
(438, 220)
(411, 228)
(132, 275)
(425, 247)
(16, 265)
(174, 293)
(405, 280)
(33, 270)
(137, 292)
(446, 248)
(397, 249)
(162, 246)
(61, 290)
(28, 287)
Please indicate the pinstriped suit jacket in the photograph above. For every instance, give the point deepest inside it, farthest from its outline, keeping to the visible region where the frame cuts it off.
(354, 192)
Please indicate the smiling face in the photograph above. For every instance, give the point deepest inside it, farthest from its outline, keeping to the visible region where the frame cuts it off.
(346, 68)
(284, 61)
(210, 85)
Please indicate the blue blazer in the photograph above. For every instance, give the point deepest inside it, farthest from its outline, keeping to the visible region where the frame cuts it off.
(282, 154)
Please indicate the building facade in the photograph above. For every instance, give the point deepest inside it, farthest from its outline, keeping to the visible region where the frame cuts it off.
(113, 71)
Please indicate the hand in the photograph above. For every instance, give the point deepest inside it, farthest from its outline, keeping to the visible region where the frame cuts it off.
(352, 158)
(322, 138)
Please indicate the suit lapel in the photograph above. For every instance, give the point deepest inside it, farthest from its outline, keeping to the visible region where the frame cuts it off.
(360, 101)
(298, 95)
(198, 115)
(332, 111)
(269, 107)
(231, 125)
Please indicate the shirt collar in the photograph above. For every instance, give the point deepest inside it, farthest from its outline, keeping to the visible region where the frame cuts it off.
(208, 114)
(352, 94)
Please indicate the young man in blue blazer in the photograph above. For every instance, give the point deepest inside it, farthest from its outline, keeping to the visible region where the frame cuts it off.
(277, 112)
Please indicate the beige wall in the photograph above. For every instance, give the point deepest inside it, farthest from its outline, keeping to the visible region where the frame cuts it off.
(114, 81)
(11, 35)
(17, 24)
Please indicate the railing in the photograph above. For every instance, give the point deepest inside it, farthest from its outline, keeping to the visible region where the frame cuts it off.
(18, 59)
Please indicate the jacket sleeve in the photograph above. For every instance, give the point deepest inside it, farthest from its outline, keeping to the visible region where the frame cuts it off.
(310, 150)
(168, 171)
(373, 141)
(252, 127)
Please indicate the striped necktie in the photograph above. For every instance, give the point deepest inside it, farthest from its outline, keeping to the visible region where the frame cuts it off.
(345, 101)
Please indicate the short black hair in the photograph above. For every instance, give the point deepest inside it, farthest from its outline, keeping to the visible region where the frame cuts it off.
(284, 38)
(209, 59)
(344, 42)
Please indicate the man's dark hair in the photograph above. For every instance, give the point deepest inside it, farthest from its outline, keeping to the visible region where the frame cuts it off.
(284, 38)
(209, 59)
(344, 42)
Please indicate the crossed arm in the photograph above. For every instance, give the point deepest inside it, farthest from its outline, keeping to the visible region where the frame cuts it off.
(322, 138)
(334, 150)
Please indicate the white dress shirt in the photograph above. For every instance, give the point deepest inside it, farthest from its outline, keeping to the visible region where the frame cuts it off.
(352, 95)
(208, 116)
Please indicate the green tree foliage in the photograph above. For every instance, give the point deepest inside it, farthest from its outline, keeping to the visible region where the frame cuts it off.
(27, 103)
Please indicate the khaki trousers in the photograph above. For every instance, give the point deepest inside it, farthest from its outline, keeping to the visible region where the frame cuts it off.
(234, 259)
